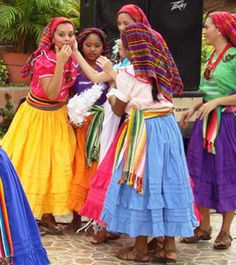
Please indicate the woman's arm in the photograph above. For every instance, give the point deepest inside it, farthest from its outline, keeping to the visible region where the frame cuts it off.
(118, 106)
(188, 114)
(93, 75)
(52, 85)
(209, 106)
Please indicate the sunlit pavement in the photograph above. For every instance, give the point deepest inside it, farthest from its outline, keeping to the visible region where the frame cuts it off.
(76, 249)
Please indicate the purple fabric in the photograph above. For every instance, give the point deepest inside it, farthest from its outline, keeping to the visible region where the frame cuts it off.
(214, 176)
(82, 83)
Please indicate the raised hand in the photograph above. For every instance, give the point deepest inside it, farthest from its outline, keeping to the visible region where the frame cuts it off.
(105, 64)
(63, 55)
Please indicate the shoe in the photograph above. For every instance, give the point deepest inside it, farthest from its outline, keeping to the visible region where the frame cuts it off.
(199, 234)
(223, 241)
(131, 254)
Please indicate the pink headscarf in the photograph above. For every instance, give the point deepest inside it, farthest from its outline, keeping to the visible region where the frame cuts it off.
(226, 23)
(45, 42)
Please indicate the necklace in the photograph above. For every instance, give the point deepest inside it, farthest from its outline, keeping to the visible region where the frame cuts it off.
(211, 66)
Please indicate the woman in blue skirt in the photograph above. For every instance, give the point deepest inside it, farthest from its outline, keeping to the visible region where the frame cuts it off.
(149, 194)
(20, 242)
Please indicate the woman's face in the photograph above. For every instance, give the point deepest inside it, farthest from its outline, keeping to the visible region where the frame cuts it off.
(210, 32)
(92, 47)
(64, 35)
(123, 20)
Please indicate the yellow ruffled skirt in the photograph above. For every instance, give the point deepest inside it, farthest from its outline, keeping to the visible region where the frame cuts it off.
(41, 145)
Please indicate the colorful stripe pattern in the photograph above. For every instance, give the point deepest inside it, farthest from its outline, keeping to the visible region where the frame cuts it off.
(43, 104)
(131, 147)
(46, 42)
(93, 134)
(211, 124)
(6, 246)
(151, 60)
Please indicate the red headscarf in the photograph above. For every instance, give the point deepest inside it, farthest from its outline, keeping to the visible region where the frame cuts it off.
(135, 13)
(45, 42)
(226, 23)
(171, 70)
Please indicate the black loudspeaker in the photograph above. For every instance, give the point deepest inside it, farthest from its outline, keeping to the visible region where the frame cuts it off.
(179, 22)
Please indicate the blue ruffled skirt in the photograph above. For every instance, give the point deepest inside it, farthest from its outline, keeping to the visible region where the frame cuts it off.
(166, 207)
(26, 241)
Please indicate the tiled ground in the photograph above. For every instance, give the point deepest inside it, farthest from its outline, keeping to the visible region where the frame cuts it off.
(76, 249)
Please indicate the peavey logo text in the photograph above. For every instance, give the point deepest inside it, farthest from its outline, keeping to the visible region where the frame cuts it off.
(181, 5)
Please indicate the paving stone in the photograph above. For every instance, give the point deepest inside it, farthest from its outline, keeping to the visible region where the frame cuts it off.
(77, 249)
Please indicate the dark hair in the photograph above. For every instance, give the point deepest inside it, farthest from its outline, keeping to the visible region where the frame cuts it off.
(83, 35)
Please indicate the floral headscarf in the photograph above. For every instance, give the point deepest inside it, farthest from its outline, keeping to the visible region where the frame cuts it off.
(45, 42)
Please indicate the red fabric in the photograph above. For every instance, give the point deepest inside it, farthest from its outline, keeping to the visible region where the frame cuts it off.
(226, 23)
(173, 74)
(45, 42)
(135, 13)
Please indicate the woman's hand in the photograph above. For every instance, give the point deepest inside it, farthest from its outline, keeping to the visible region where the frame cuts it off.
(105, 64)
(63, 55)
(75, 47)
(206, 108)
(185, 118)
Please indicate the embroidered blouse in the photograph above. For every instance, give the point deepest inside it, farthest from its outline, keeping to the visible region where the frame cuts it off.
(44, 66)
(136, 92)
(223, 81)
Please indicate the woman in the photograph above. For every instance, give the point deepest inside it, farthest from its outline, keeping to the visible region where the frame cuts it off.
(150, 173)
(212, 152)
(92, 42)
(40, 142)
(20, 240)
(126, 15)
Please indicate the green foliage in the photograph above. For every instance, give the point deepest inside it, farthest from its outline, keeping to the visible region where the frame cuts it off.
(6, 115)
(4, 75)
(22, 21)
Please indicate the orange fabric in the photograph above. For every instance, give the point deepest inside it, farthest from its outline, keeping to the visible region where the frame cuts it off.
(82, 174)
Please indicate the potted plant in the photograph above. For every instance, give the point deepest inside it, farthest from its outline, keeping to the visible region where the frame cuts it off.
(22, 22)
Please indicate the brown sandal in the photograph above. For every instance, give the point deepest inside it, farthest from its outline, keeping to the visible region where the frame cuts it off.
(102, 237)
(155, 244)
(199, 234)
(49, 225)
(165, 256)
(131, 254)
(223, 241)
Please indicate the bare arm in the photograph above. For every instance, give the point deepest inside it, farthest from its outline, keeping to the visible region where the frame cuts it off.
(52, 85)
(107, 67)
(118, 106)
(188, 114)
(206, 108)
(93, 75)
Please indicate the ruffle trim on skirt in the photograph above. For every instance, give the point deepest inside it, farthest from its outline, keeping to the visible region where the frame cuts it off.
(94, 204)
(129, 224)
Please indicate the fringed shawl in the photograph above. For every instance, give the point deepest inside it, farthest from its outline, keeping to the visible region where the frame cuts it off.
(150, 59)
(170, 71)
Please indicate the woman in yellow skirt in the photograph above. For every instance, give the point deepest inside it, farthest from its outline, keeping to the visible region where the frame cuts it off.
(40, 141)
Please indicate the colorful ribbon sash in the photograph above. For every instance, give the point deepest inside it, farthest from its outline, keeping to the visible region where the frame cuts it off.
(131, 147)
